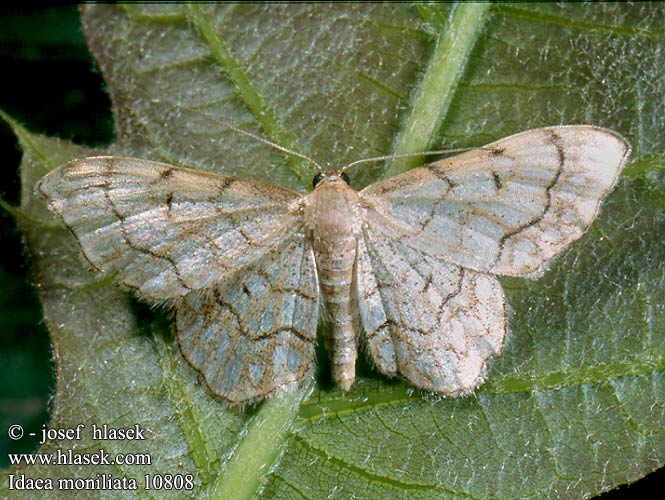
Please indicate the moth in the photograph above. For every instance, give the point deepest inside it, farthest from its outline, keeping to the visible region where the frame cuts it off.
(406, 267)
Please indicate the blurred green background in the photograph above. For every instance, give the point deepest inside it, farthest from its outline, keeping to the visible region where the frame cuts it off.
(52, 86)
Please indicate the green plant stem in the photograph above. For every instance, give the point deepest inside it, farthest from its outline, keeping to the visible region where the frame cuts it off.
(432, 98)
(247, 92)
(260, 447)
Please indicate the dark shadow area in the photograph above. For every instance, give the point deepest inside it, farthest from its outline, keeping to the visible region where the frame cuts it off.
(50, 85)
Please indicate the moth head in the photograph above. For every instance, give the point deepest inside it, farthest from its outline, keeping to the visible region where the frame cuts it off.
(330, 177)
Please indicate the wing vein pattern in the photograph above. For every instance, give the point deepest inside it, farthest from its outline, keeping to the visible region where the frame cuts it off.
(229, 255)
(507, 208)
(166, 231)
(236, 259)
(434, 237)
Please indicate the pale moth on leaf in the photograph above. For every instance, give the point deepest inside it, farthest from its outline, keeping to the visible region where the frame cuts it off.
(406, 266)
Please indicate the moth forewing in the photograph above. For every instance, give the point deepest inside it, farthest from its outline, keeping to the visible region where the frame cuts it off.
(508, 207)
(165, 230)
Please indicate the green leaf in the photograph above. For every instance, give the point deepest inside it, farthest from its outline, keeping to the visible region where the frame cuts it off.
(575, 404)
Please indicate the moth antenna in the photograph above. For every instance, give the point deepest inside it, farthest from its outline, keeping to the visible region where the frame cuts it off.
(273, 145)
(407, 155)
